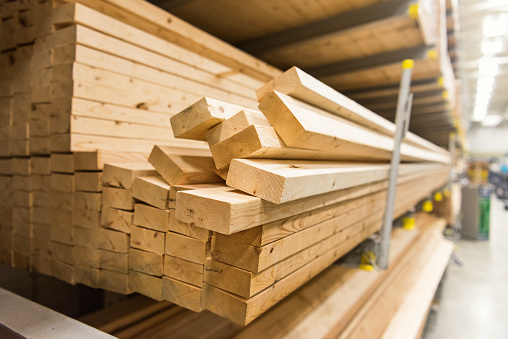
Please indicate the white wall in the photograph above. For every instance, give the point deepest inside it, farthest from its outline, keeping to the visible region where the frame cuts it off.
(485, 140)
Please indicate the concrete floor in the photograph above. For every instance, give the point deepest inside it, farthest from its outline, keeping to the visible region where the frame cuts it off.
(474, 300)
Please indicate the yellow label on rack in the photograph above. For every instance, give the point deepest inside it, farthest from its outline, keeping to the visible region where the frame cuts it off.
(431, 54)
(447, 193)
(445, 95)
(408, 64)
(440, 81)
(438, 196)
(428, 206)
(368, 268)
(408, 223)
(413, 11)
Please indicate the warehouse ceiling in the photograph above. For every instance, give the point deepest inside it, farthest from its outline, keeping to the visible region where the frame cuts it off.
(315, 36)
(483, 60)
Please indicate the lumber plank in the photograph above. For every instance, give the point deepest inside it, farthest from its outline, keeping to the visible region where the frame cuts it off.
(152, 190)
(147, 240)
(243, 311)
(151, 218)
(117, 219)
(113, 261)
(88, 181)
(176, 226)
(117, 198)
(146, 284)
(146, 262)
(86, 218)
(182, 294)
(302, 125)
(86, 275)
(193, 122)
(183, 169)
(114, 282)
(95, 160)
(190, 249)
(233, 125)
(300, 85)
(228, 212)
(183, 270)
(122, 175)
(114, 241)
(262, 142)
(281, 181)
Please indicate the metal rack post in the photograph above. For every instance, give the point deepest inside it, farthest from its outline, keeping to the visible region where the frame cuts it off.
(403, 113)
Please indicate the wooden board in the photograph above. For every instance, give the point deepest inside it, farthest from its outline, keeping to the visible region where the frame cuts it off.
(113, 261)
(117, 198)
(181, 169)
(117, 219)
(122, 175)
(233, 125)
(147, 240)
(189, 230)
(146, 284)
(146, 262)
(182, 294)
(151, 190)
(228, 212)
(183, 247)
(151, 218)
(195, 120)
(302, 125)
(183, 270)
(300, 85)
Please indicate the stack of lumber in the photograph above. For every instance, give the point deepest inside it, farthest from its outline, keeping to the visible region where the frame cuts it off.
(84, 83)
(340, 302)
(355, 47)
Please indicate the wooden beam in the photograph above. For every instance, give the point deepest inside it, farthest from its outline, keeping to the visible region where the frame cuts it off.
(122, 175)
(151, 190)
(280, 181)
(195, 120)
(183, 169)
(302, 125)
(233, 125)
(228, 212)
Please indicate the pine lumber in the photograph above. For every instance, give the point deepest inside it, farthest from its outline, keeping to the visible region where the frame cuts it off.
(281, 181)
(86, 218)
(300, 85)
(117, 198)
(183, 169)
(146, 262)
(181, 293)
(305, 126)
(114, 282)
(111, 240)
(151, 218)
(228, 212)
(190, 249)
(152, 190)
(183, 270)
(189, 230)
(146, 284)
(193, 122)
(95, 160)
(177, 188)
(117, 219)
(256, 259)
(122, 175)
(88, 181)
(147, 240)
(263, 142)
(233, 125)
(243, 311)
(86, 275)
(113, 261)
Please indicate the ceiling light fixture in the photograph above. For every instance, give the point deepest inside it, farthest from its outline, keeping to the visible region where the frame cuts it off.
(488, 68)
(494, 28)
(484, 89)
(486, 81)
(479, 113)
(492, 47)
(492, 120)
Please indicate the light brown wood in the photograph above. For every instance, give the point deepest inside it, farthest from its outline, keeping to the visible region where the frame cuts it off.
(189, 230)
(116, 219)
(146, 262)
(151, 190)
(86, 275)
(117, 198)
(181, 169)
(146, 284)
(182, 294)
(195, 120)
(183, 247)
(88, 181)
(122, 175)
(113, 241)
(114, 282)
(233, 125)
(113, 261)
(151, 218)
(147, 240)
(86, 218)
(302, 125)
(183, 270)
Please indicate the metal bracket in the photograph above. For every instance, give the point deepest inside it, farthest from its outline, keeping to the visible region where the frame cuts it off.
(404, 103)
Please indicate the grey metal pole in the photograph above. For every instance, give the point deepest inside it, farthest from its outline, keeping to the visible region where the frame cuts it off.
(402, 123)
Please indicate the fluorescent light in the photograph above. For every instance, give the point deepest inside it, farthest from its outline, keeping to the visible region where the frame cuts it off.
(482, 101)
(483, 96)
(492, 120)
(488, 68)
(486, 81)
(484, 89)
(492, 47)
(479, 113)
(494, 28)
